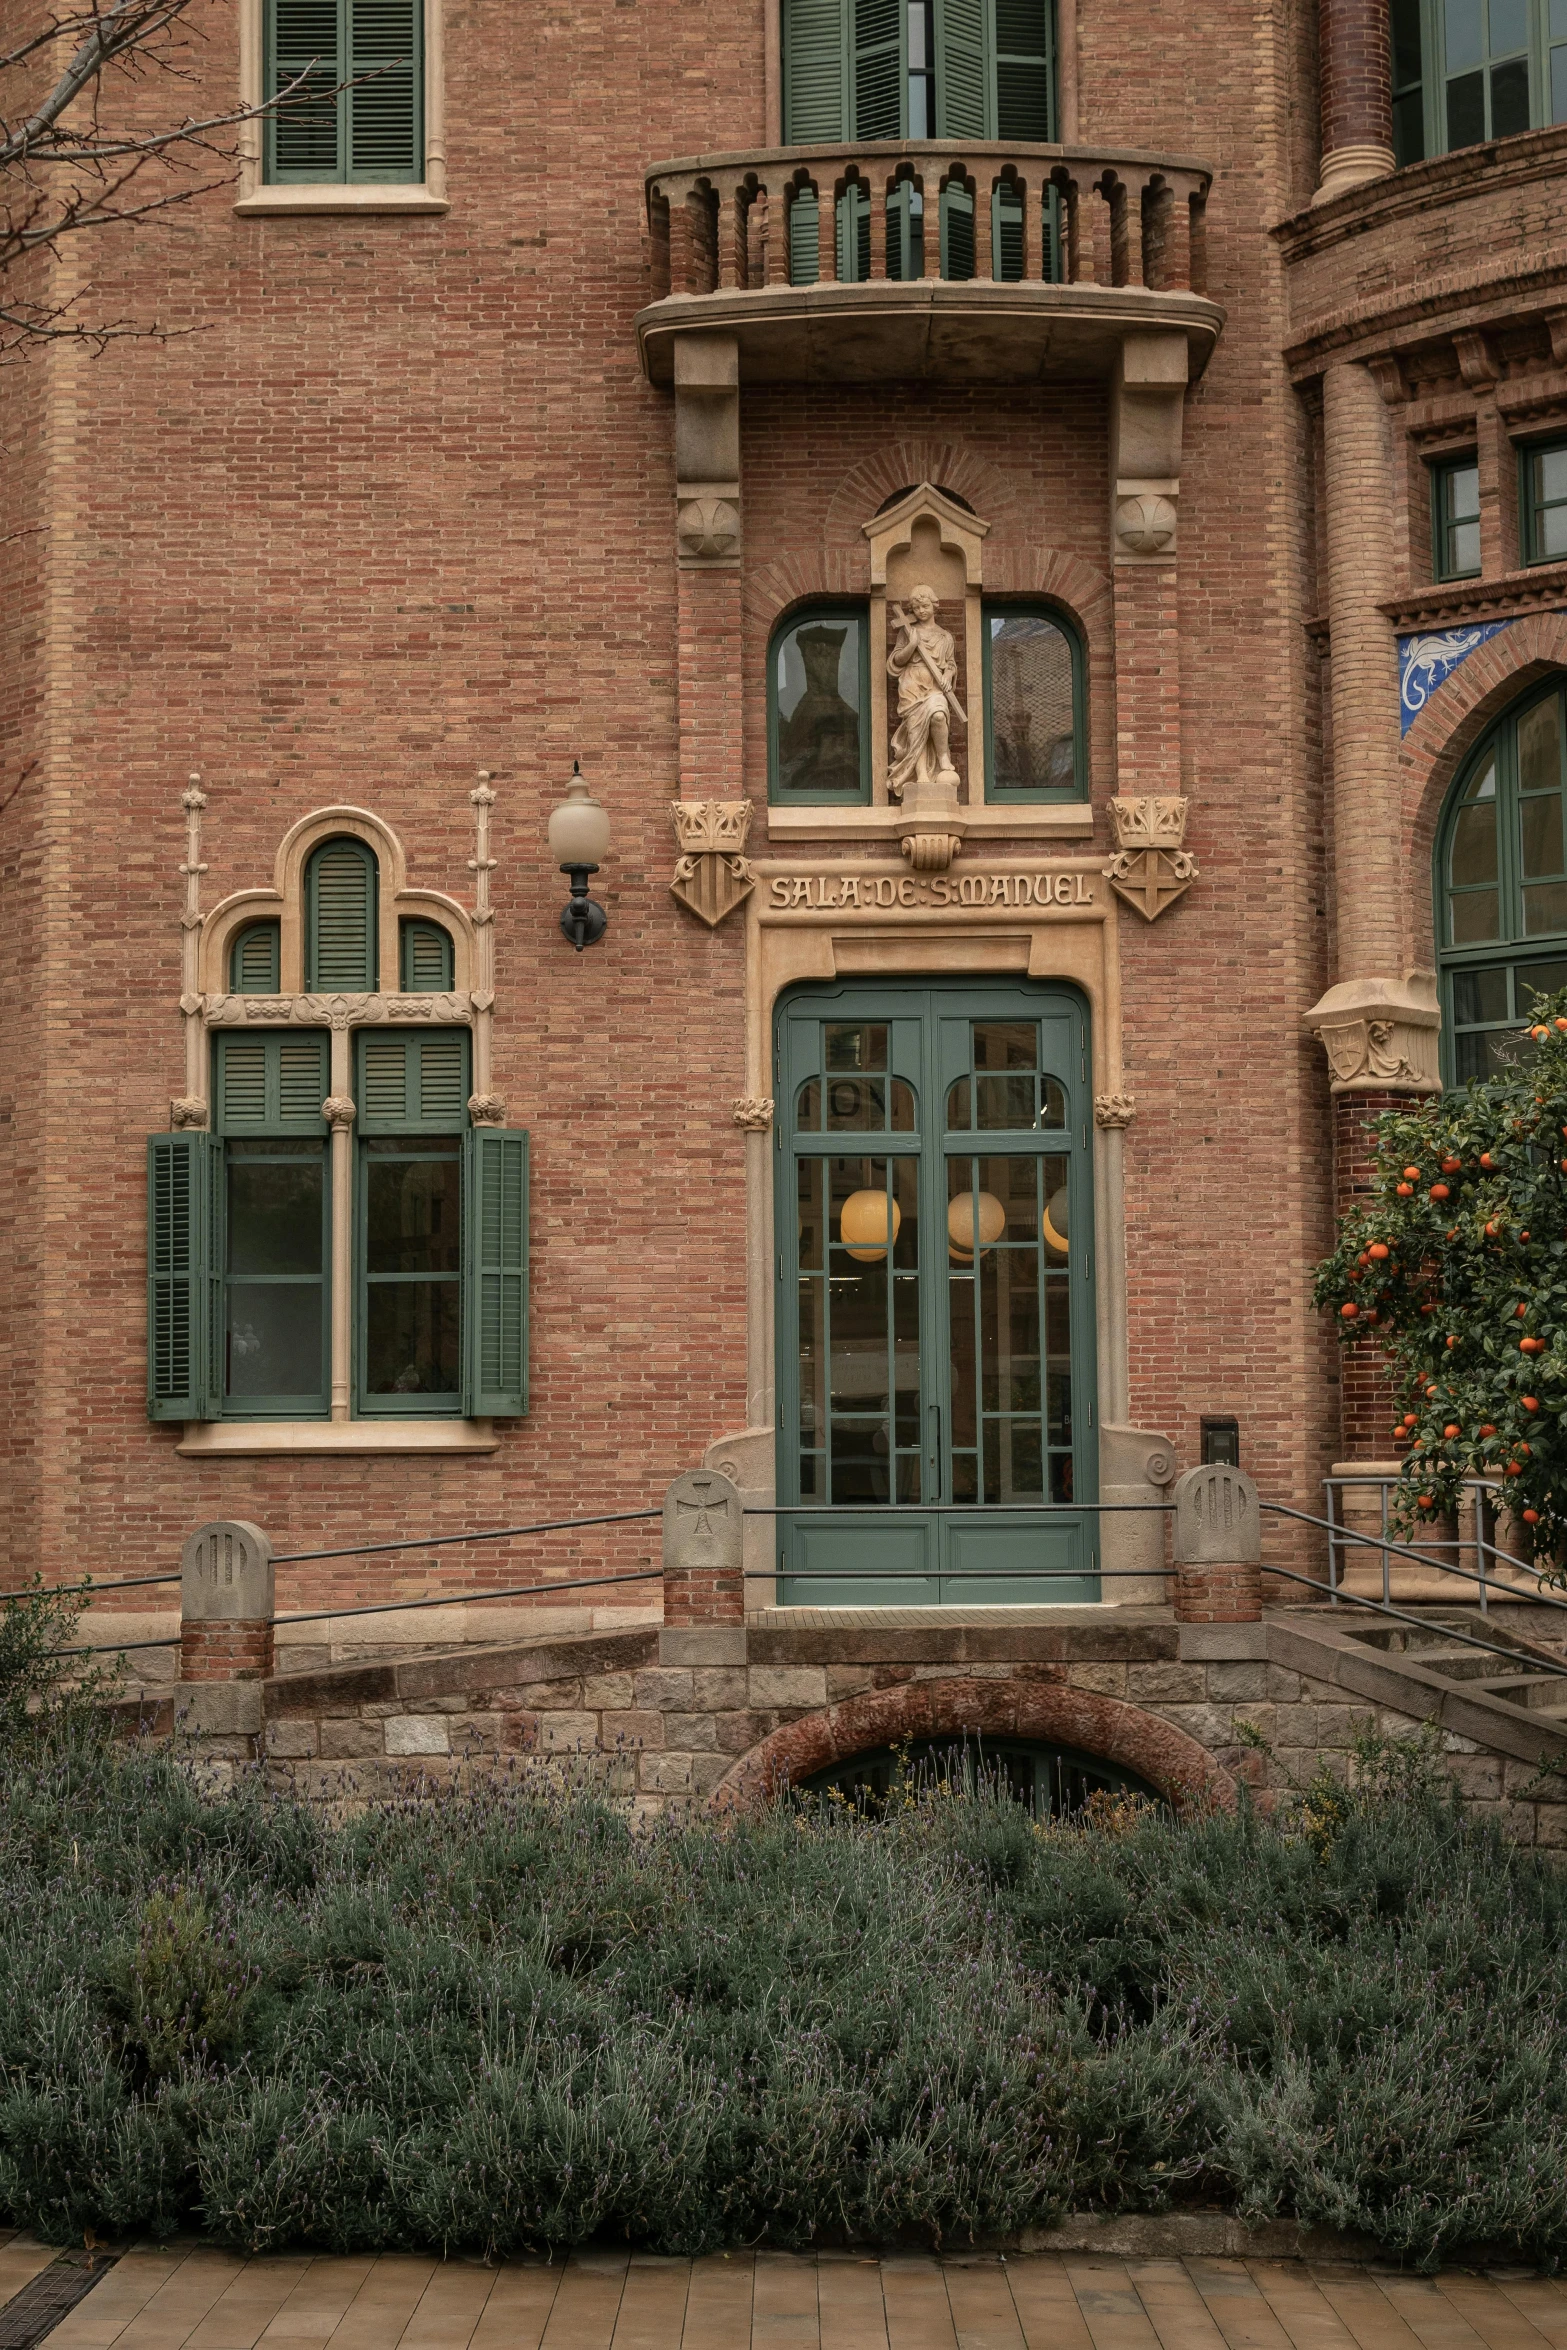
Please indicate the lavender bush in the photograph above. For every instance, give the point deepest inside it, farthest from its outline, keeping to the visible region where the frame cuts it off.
(504, 2021)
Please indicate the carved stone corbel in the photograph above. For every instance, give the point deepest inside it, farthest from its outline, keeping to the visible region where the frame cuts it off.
(487, 1109)
(1147, 409)
(1114, 1109)
(1151, 868)
(753, 1112)
(1380, 1035)
(712, 875)
(187, 1110)
(707, 450)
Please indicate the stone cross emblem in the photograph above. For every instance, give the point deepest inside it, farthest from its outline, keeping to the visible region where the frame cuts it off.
(696, 1516)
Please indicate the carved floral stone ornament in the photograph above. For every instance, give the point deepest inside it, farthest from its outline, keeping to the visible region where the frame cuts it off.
(712, 874)
(1150, 869)
(1380, 1035)
(186, 1110)
(338, 1110)
(487, 1109)
(753, 1112)
(1114, 1109)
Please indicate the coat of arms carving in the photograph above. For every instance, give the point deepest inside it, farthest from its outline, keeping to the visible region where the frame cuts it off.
(712, 874)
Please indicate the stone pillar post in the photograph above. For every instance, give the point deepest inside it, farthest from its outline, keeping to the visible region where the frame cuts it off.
(1357, 96)
(704, 1530)
(1218, 1548)
(226, 1604)
(1379, 1024)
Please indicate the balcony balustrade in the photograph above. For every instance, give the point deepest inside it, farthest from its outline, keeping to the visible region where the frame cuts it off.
(926, 258)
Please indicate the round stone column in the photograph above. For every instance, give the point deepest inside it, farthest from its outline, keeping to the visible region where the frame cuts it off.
(1357, 95)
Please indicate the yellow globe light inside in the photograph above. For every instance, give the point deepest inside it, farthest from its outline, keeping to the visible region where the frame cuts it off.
(971, 1210)
(863, 1225)
(1053, 1223)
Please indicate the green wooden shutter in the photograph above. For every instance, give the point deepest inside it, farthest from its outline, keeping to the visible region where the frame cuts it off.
(426, 960)
(1024, 69)
(413, 1084)
(180, 1249)
(965, 70)
(385, 113)
(878, 69)
(305, 46)
(270, 1084)
(495, 1273)
(340, 919)
(256, 963)
(816, 76)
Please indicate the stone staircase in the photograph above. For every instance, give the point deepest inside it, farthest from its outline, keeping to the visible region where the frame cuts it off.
(1508, 1696)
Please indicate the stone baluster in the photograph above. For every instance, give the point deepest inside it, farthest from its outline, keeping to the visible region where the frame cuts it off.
(879, 194)
(1084, 226)
(757, 217)
(1126, 240)
(731, 237)
(984, 219)
(682, 256)
(1178, 238)
(1034, 201)
(826, 230)
(778, 208)
(928, 185)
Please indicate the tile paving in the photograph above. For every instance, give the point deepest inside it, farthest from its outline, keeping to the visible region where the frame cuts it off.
(189, 2296)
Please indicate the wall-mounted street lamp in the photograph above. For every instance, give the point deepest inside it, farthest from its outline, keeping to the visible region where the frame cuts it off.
(579, 840)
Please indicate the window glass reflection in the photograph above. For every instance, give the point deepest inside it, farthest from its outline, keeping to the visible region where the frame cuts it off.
(820, 687)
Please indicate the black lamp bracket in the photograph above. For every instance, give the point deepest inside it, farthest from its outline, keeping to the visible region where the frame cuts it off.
(583, 920)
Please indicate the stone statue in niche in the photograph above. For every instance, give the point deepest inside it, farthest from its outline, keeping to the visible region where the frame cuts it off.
(924, 661)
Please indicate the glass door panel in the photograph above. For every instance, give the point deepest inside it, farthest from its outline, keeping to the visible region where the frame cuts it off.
(935, 1325)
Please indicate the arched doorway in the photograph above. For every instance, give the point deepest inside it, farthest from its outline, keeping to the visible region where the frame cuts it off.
(935, 1295)
(1501, 886)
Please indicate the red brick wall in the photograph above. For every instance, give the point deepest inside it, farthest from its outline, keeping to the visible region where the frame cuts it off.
(1369, 1404)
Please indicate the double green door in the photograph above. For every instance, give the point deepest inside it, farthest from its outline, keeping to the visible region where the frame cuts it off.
(935, 1266)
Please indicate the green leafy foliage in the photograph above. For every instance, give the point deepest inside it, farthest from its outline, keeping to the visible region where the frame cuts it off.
(505, 2020)
(1456, 1268)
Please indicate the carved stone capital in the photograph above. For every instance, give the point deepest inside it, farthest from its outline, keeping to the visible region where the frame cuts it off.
(338, 1110)
(1145, 524)
(1380, 1035)
(487, 1109)
(187, 1111)
(703, 825)
(753, 1111)
(1150, 820)
(708, 529)
(1114, 1109)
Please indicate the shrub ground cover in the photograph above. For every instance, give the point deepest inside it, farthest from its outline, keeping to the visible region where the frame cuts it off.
(504, 2021)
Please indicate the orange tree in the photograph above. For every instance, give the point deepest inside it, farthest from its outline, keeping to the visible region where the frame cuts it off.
(1457, 1269)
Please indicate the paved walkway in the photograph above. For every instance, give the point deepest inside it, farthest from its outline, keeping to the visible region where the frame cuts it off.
(187, 2295)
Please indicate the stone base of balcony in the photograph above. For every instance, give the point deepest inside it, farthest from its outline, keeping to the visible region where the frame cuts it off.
(933, 330)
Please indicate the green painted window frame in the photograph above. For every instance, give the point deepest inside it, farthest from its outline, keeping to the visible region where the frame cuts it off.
(415, 1130)
(1445, 522)
(1424, 120)
(367, 978)
(1531, 506)
(1514, 951)
(256, 959)
(273, 1123)
(351, 80)
(1034, 607)
(416, 938)
(802, 616)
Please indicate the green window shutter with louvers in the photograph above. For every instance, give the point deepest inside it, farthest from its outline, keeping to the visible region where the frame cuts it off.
(495, 1273)
(878, 69)
(255, 964)
(426, 960)
(1023, 69)
(413, 1084)
(385, 109)
(270, 1084)
(341, 947)
(817, 82)
(181, 1271)
(965, 70)
(306, 55)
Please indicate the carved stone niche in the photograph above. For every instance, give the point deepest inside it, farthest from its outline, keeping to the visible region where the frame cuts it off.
(1380, 1035)
(926, 539)
(712, 873)
(1150, 869)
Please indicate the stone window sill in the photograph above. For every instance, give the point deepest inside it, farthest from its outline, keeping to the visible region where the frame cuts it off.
(206, 1439)
(340, 199)
(1060, 820)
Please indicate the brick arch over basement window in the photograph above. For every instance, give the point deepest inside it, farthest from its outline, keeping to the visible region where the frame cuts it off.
(1022, 1705)
(1470, 699)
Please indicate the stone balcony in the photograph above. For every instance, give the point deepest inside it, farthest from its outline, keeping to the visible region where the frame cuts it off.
(922, 259)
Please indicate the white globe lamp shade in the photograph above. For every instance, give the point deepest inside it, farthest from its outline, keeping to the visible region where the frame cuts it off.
(578, 827)
(863, 1225)
(975, 1222)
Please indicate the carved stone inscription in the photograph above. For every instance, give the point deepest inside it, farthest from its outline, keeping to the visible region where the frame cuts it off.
(871, 893)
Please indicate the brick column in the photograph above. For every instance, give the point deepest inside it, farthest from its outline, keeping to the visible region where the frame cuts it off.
(704, 1528)
(1379, 1023)
(1217, 1548)
(226, 1604)
(1357, 96)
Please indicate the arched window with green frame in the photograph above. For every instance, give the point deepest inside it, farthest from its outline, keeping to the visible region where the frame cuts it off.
(1501, 886)
(818, 706)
